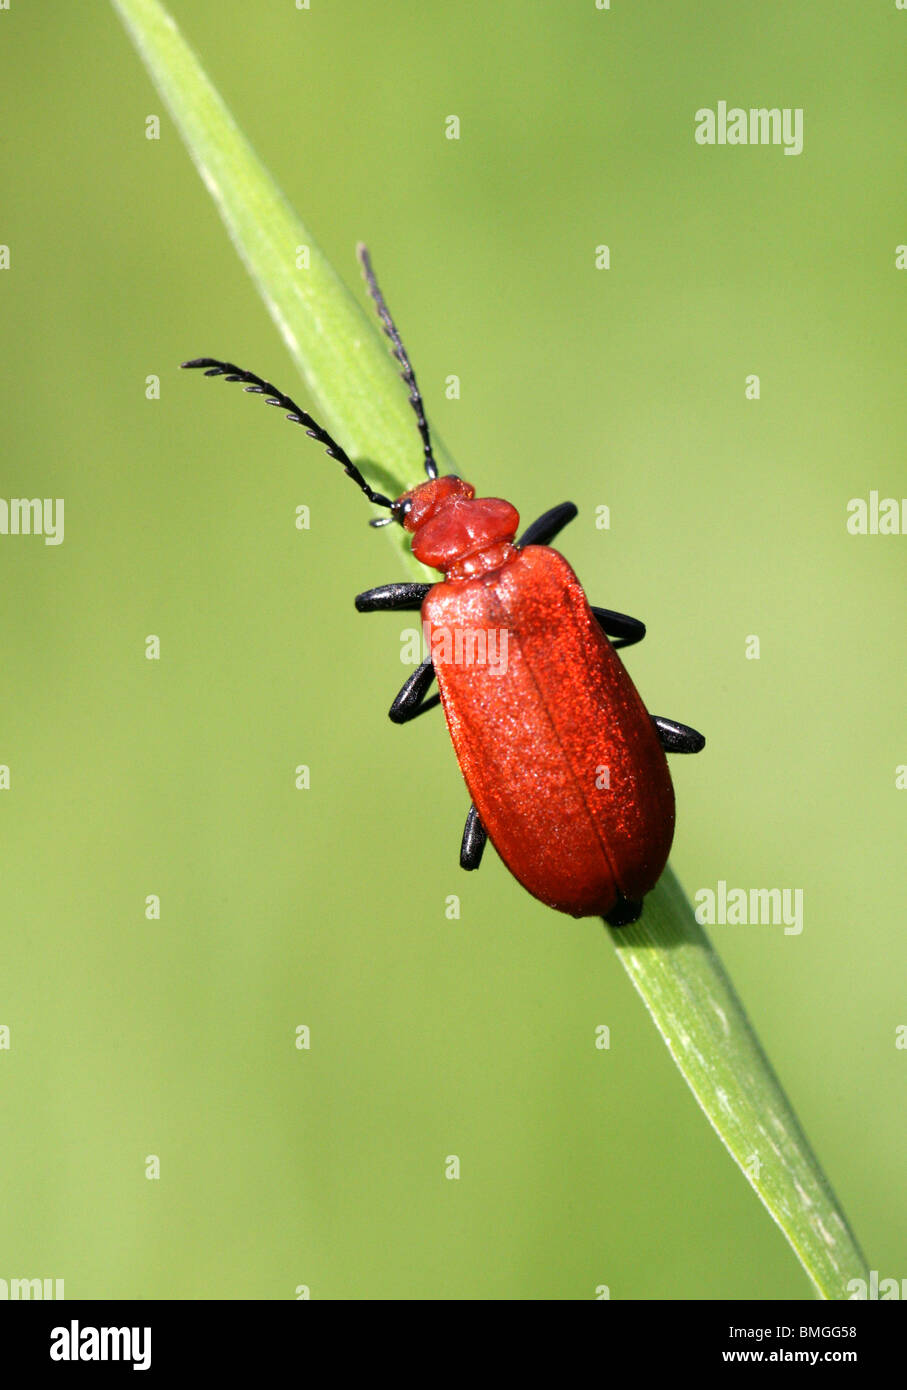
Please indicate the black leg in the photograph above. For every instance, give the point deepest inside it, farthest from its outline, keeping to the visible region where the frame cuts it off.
(411, 701)
(386, 596)
(543, 531)
(409, 704)
(677, 738)
(474, 837)
(624, 912)
(626, 630)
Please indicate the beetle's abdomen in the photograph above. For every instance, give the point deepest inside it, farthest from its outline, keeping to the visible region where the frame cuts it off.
(557, 749)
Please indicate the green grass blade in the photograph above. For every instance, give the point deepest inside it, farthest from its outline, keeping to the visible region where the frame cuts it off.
(696, 1009)
(345, 361)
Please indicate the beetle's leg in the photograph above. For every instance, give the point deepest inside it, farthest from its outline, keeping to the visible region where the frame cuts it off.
(623, 912)
(411, 701)
(626, 630)
(386, 596)
(543, 531)
(409, 704)
(474, 837)
(677, 738)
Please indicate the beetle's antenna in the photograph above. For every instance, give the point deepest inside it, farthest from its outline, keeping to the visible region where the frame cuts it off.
(296, 414)
(408, 375)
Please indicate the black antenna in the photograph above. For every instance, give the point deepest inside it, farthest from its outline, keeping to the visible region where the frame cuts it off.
(408, 375)
(258, 387)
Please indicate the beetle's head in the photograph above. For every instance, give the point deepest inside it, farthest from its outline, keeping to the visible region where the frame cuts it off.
(452, 530)
(419, 504)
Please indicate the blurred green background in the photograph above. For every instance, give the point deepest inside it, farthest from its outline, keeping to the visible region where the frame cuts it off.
(430, 1037)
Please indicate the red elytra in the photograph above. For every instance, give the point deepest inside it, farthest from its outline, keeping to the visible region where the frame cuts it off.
(560, 756)
(565, 766)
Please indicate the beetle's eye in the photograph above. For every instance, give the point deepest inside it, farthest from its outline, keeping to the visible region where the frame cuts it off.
(401, 508)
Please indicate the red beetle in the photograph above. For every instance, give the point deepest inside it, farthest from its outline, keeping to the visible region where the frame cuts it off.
(565, 767)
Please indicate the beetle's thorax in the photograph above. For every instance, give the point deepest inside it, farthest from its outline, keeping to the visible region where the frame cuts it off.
(454, 531)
